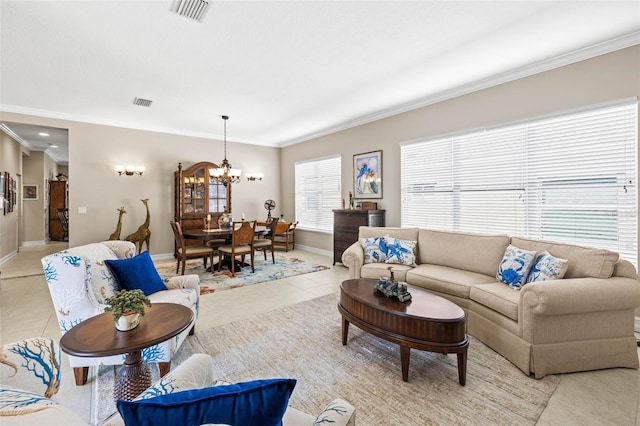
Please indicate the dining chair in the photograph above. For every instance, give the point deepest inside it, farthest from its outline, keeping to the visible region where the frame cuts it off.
(185, 252)
(286, 237)
(241, 245)
(266, 243)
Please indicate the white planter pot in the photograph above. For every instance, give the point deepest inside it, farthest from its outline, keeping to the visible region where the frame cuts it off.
(128, 322)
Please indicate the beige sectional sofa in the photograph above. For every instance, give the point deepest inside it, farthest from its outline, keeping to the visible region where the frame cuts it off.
(584, 321)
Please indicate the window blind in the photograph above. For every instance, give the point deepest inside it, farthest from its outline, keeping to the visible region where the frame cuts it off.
(569, 178)
(317, 192)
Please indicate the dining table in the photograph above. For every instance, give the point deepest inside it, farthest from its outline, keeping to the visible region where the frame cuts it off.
(218, 234)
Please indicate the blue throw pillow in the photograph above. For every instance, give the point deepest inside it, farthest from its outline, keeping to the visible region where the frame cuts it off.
(515, 266)
(137, 273)
(256, 403)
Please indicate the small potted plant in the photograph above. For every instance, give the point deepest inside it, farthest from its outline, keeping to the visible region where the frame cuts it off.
(127, 307)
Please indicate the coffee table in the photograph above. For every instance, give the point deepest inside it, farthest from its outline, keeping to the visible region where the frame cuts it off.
(98, 337)
(428, 322)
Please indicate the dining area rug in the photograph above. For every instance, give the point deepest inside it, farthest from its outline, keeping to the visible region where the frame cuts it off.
(303, 341)
(265, 271)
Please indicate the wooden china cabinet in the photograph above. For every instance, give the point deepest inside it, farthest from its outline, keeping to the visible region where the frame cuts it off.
(197, 195)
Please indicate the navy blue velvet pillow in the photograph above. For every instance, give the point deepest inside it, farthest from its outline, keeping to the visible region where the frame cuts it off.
(136, 273)
(255, 403)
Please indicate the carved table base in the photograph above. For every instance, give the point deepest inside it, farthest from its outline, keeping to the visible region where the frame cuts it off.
(133, 378)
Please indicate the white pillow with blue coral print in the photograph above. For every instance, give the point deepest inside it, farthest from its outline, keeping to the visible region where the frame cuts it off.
(375, 249)
(515, 266)
(402, 252)
(547, 267)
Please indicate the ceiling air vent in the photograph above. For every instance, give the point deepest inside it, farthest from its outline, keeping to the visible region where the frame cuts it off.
(192, 9)
(142, 102)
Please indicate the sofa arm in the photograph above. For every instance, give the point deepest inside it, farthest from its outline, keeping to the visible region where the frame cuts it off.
(579, 295)
(338, 412)
(183, 281)
(353, 258)
(32, 365)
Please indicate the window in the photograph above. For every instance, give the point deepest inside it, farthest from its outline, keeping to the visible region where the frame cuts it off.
(569, 178)
(317, 189)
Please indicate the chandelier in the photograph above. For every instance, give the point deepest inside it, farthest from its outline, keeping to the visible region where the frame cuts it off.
(225, 174)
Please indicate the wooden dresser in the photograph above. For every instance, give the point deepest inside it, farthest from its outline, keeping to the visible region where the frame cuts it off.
(346, 224)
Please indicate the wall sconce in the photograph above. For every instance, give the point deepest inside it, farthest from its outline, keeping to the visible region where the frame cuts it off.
(129, 170)
(254, 176)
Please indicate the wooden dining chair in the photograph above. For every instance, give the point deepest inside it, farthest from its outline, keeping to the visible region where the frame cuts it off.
(241, 245)
(185, 252)
(285, 236)
(266, 243)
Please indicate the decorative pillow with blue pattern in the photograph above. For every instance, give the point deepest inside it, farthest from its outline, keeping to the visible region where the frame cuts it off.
(547, 267)
(515, 266)
(401, 252)
(375, 249)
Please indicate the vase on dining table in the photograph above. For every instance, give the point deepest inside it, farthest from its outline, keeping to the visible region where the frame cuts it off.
(225, 221)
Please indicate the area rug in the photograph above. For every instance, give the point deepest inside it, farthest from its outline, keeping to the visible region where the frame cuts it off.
(265, 271)
(303, 341)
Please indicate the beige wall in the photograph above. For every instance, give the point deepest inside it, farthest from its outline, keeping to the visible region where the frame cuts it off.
(10, 154)
(606, 78)
(33, 211)
(94, 150)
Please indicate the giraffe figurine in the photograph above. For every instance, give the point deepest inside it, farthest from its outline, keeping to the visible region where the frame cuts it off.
(142, 234)
(116, 233)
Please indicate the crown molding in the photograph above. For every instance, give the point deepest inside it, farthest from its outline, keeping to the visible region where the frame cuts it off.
(589, 52)
(608, 46)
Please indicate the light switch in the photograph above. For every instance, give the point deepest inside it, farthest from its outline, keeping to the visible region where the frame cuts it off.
(82, 210)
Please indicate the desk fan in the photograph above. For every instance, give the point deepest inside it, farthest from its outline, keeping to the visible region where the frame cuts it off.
(269, 205)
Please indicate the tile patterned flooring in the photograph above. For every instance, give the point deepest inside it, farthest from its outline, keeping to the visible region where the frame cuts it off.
(605, 397)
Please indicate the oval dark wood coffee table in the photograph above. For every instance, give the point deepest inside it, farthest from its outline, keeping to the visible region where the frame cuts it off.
(427, 322)
(98, 337)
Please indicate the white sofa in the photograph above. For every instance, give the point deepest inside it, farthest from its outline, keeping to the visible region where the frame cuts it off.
(79, 282)
(584, 321)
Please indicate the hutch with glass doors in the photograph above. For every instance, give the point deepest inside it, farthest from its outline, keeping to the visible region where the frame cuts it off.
(197, 196)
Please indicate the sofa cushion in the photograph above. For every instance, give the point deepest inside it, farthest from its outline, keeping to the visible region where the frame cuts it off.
(471, 252)
(444, 279)
(497, 296)
(410, 234)
(515, 266)
(377, 270)
(583, 261)
(374, 249)
(547, 267)
(260, 402)
(400, 251)
(137, 273)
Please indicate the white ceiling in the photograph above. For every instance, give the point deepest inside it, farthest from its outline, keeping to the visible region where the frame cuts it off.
(284, 71)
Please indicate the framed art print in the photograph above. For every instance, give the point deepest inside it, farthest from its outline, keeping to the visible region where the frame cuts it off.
(367, 175)
(29, 192)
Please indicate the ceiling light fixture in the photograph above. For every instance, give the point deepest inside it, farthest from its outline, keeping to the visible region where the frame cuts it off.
(53, 145)
(225, 174)
(43, 134)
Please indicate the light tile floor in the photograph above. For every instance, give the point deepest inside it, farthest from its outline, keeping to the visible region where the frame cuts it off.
(605, 397)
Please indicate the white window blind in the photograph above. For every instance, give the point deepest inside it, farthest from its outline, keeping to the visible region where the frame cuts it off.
(317, 186)
(570, 178)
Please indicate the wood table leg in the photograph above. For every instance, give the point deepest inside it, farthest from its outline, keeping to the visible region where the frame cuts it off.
(462, 367)
(405, 354)
(133, 378)
(345, 330)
